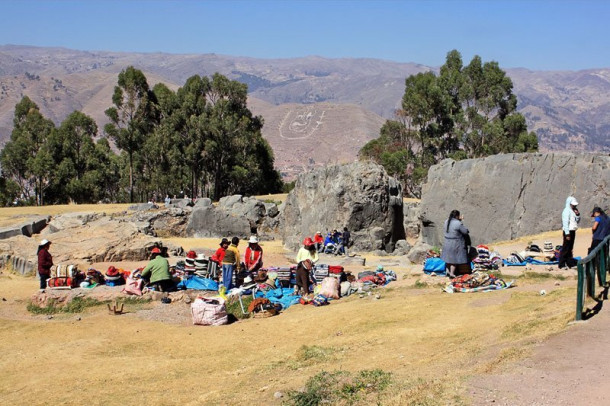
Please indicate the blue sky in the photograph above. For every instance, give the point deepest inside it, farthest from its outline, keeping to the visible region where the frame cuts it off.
(539, 35)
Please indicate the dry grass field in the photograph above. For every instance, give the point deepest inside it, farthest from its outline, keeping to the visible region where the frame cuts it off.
(432, 343)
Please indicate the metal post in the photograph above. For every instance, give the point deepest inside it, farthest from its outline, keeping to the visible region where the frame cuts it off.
(580, 291)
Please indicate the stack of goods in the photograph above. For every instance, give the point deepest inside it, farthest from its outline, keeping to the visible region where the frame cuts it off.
(476, 282)
(201, 266)
(65, 277)
(285, 275)
(114, 277)
(432, 253)
(319, 272)
(189, 263)
(92, 279)
(486, 260)
(134, 283)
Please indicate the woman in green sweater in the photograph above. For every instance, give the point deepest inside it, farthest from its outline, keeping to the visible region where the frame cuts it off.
(157, 272)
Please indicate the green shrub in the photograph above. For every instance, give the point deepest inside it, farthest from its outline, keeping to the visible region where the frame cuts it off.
(341, 387)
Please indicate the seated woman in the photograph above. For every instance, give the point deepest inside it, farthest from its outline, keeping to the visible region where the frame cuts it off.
(156, 273)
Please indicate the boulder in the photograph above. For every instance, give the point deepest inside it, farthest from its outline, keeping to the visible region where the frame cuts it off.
(234, 216)
(359, 196)
(401, 247)
(418, 252)
(507, 196)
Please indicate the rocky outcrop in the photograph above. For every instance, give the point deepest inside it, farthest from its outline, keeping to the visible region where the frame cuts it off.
(359, 196)
(234, 216)
(28, 229)
(503, 197)
(81, 239)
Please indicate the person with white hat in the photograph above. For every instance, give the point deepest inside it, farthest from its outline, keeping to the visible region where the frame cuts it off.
(254, 255)
(45, 262)
(570, 217)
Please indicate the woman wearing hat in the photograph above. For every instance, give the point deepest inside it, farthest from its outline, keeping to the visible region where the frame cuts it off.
(302, 276)
(45, 262)
(220, 252)
(254, 255)
(157, 272)
(307, 251)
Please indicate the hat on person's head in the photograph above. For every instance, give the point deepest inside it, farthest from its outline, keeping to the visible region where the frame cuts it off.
(573, 202)
(307, 241)
(44, 242)
(596, 209)
(224, 241)
(155, 250)
(253, 240)
(319, 232)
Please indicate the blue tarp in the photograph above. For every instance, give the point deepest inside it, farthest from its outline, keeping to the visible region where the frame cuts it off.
(197, 283)
(283, 296)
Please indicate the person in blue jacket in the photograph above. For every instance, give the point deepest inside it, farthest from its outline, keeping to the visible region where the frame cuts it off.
(601, 227)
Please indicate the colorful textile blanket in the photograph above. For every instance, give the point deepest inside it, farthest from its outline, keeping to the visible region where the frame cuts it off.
(476, 282)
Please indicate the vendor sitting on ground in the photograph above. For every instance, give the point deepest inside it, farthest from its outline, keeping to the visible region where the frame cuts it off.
(318, 240)
(307, 251)
(254, 255)
(157, 272)
(329, 243)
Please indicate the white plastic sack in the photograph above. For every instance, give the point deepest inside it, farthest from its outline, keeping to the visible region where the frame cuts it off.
(209, 312)
(330, 288)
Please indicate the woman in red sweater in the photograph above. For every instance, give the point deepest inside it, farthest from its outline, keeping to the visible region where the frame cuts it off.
(45, 262)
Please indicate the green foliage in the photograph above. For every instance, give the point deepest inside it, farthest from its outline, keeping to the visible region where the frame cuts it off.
(199, 141)
(234, 308)
(464, 112)
(341, 387)
(76, 305)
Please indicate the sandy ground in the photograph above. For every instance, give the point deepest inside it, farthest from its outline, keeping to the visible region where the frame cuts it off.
(440, 348)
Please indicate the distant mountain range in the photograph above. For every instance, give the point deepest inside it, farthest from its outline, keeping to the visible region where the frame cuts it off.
(316, 110)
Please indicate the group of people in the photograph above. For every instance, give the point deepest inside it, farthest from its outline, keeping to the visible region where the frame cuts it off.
(229, 258)
(457, 236)
(335, 242)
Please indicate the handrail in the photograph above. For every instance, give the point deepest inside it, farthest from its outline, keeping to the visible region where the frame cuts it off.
(597, 263)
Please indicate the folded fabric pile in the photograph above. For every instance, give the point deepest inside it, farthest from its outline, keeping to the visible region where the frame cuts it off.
(486, 259)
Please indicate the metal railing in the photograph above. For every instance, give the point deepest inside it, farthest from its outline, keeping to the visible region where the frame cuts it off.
(593, 266)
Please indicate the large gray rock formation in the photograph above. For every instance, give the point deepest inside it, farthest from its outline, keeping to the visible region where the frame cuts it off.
(360, 196)
(234, 216)
(503, 197)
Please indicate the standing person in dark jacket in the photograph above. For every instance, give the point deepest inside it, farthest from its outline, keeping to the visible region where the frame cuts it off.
(45, 262)
(601, 227)
(454, 249)
(344, 241)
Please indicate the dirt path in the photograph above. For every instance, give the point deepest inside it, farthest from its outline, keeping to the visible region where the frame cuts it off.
(568, 369)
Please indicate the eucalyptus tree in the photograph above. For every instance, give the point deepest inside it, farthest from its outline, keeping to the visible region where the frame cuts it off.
(133, 117)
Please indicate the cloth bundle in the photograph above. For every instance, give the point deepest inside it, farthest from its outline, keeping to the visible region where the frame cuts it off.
(475, 282)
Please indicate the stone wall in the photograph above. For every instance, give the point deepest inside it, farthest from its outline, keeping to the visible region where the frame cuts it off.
(359, 196)
(503, 197)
